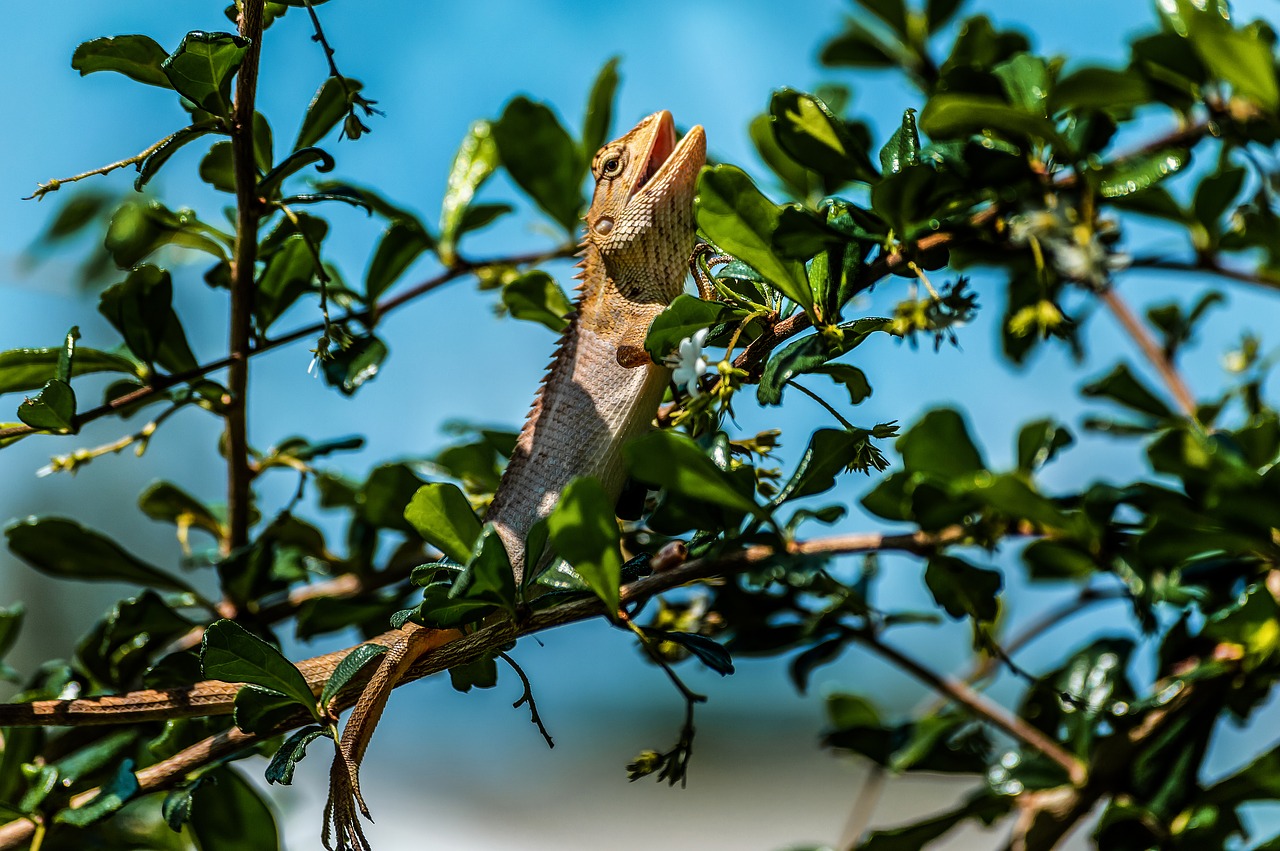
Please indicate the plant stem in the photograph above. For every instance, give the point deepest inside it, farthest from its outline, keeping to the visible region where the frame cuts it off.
(248, 213)
(1156, 355)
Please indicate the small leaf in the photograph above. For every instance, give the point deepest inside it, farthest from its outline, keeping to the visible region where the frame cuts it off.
(683, 318)
(348, 369)
(232, 654)
(169, 503)
(595, 124)
(1136, 173)
(52, 409)
(487, 576)
(853, 379)
(475, 161)
(228, 814)
(1122, 387)
(962, 589)
(218, 167)
(350, 665)
(536, 296)
(736, 217)
(673, 461)
(1099, 88)
(809, 353)
(140, 307)
(114, 794)
(148, 168)
(710, 653)
(443, 517)
(138, 57)
(829, 453)
(958, 116)
(542, 159)
(202, 67)
(584, 532)
(269, 185)
(289, 754)
(403, 242)
(903, 149)
(815, 137)
(1039, 442)
(329, 106)
(940, 444)
(65, 549)
(262, 710)
(29, 369)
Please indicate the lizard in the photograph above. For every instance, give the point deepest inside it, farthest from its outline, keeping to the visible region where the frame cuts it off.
(601, 389)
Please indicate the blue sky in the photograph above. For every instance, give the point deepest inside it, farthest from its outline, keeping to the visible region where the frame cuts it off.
(434, 68)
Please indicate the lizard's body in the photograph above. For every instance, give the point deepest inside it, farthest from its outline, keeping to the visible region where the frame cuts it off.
(639, 235)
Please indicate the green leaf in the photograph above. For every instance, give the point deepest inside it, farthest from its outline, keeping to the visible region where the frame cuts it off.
(350, 665)
(979, 46)
(218, 167)
(818, 139)
(10, 625)
(736, 217)
(599, 115)
(232, 654)
(350, 368)
(475, 161)
(138, 57)
(1039, 442)
(1027, 82)
(1215, 195)
(329, 106)
(962, 589)
(1245, 58)
(920, 834)
(709, 652)
(202, 67)
(959, 116)
(139, 228)
(809, 353)
(443, 517)
(1103, 89)
(403, 242)
(939, 443)
(903, 148)
(52, 409)
(149, 167)
(1137, 173)
(537, 297)
(482, 673)
(113, 795)
(542, 159)
(683, 318)
(386, 494)
(169, 503)
(67, 550)
(938, 12)
(269, 185)
(1122, 387)
(140, 307)
(795, 177)
(853, 379)
(487, 576)
(29, 369)
(892, 12)
(287, 757)
(859, 47)
(673, 461)
(262, 710)
(289, 273)
(829, 453)
(228, 814)
(584, 532)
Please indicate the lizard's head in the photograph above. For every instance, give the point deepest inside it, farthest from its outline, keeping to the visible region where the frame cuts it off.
(641, 216)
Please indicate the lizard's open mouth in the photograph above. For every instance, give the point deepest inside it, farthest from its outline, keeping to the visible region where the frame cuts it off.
(664, 154)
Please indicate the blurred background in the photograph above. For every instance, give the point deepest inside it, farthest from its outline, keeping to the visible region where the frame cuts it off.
(443, 763)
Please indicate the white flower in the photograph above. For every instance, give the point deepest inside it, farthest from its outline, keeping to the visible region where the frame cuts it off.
(688, 363)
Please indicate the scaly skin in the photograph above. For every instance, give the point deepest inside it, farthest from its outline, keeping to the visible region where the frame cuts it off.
(600, 391)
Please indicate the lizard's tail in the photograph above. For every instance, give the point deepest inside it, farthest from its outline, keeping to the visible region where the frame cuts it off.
(340, 816)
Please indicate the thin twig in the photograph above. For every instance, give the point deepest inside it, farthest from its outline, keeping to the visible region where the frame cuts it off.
(527, 697)
(1206, 266)
(979, 705)
(248, 214)
(1152, 350)
(138, 158)
(823, 402)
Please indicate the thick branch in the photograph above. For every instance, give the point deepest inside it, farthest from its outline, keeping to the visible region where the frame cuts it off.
(171, 771)
(1207, 266)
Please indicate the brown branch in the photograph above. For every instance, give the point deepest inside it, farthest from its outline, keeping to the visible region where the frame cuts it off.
(992, 713)
(173, 770)
(1208, 266)
(243, 270)
(1152, 350)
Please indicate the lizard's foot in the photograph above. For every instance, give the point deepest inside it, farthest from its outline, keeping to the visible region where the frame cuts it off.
(705, 256)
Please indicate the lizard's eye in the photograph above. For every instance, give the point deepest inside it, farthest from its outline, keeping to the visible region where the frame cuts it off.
(611, 167)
